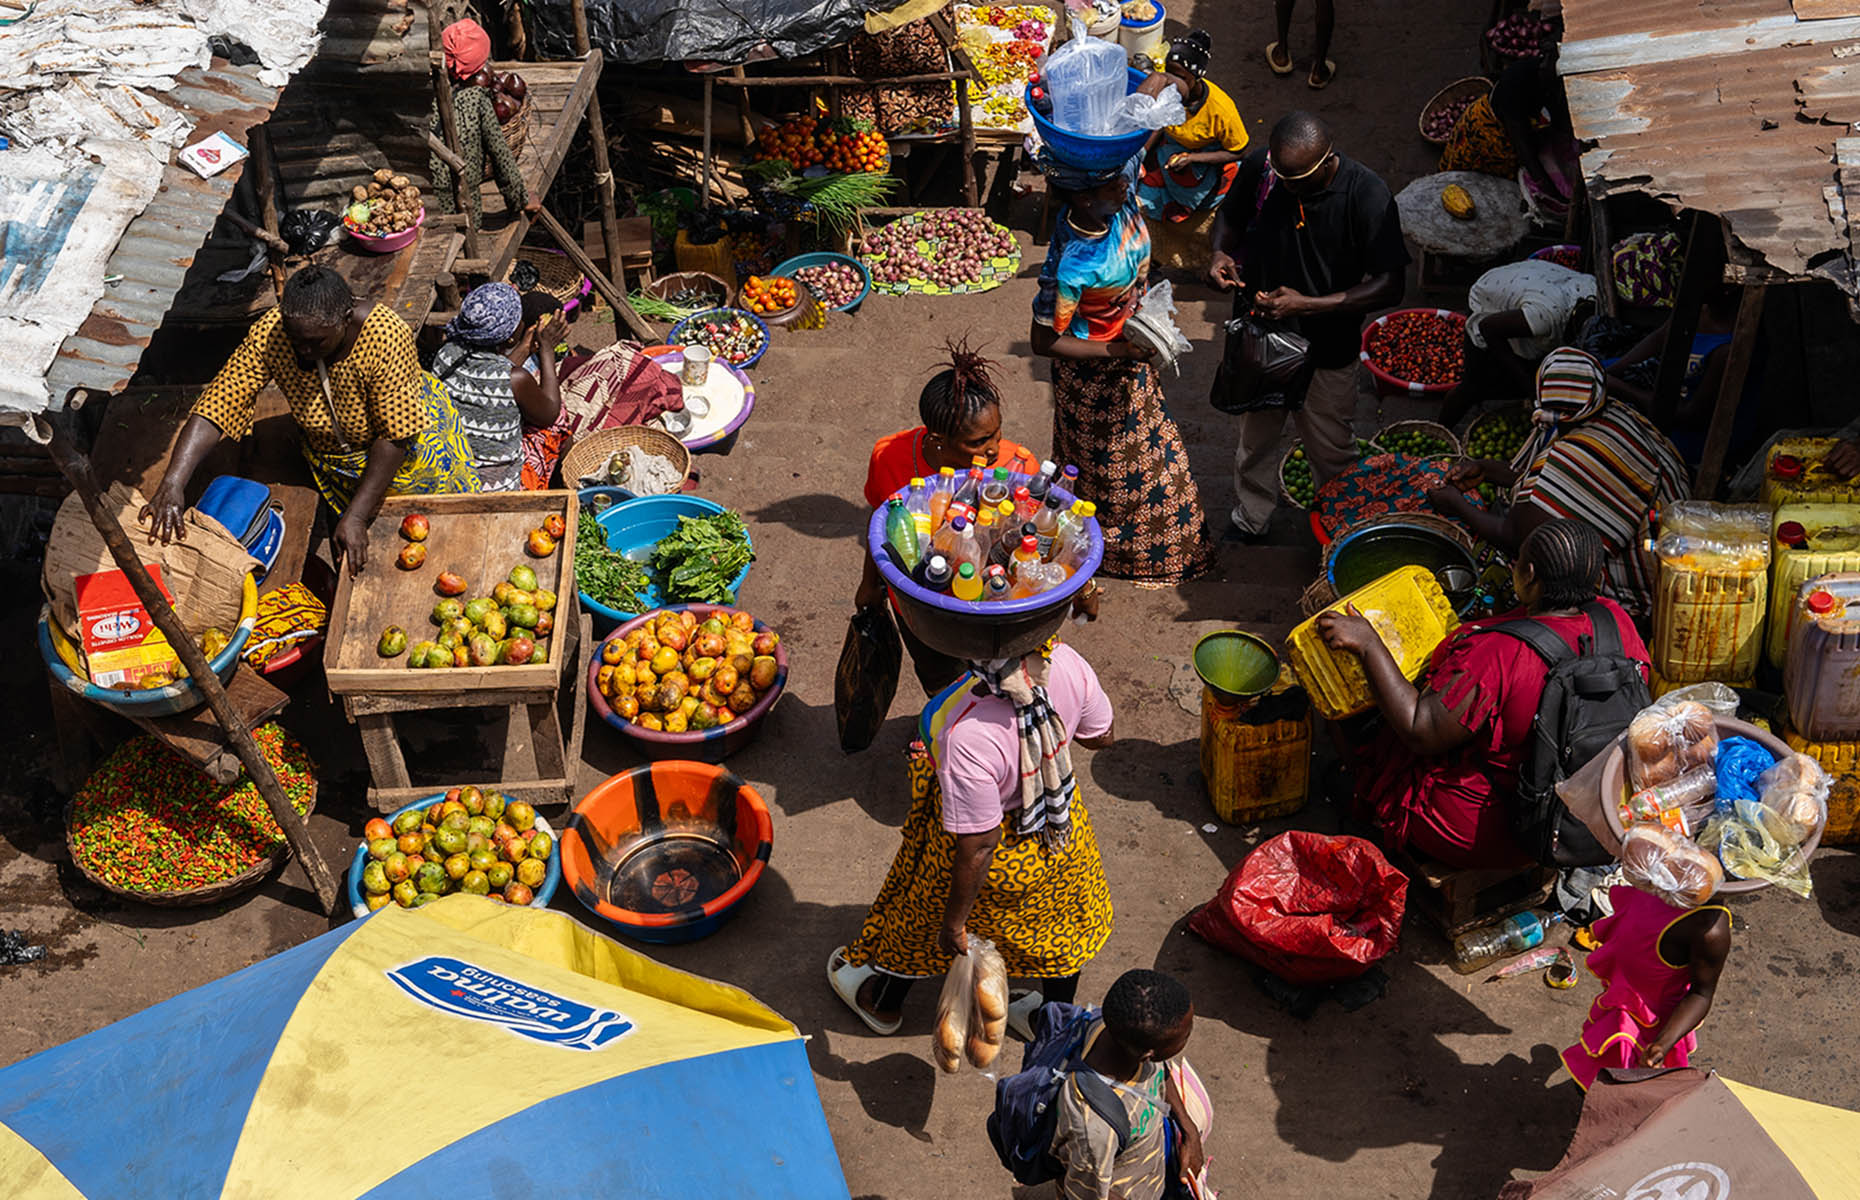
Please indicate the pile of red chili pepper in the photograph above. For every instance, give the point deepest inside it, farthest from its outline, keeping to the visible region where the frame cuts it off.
(149, 821)
(1419, 347)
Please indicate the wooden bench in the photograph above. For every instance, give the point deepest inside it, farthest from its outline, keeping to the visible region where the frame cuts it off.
(1456, 899)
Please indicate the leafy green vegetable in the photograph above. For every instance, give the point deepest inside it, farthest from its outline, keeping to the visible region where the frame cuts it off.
(607, 575)
(701, 558)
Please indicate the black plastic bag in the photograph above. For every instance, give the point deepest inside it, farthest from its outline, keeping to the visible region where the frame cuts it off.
(307, 229)
(867, 677)
(1265, 364)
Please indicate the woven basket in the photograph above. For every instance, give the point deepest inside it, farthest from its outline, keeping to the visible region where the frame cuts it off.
(592, 452)
(556, 275)
(1483, 419)
(245, 880)
(667, 286)
(1430, 428)
(516, 133)
(1317, 597)
(1285, 493)
(1470, 87)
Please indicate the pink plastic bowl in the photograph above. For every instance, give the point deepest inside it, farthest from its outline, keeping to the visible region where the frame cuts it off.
(393, 241)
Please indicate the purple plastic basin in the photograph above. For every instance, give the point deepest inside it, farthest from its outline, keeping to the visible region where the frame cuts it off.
(976, 628)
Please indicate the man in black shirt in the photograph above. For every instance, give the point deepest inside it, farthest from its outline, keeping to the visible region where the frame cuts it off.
(1311, 238)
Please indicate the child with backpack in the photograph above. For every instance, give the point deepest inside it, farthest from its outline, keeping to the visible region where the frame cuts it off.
(1104, 1103)
(1455, 772)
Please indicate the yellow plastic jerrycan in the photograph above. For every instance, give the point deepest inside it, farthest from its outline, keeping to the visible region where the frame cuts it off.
(1255, 751)
(1410, 613)
(1710, 593)
(1808, 540)
(1794, 474)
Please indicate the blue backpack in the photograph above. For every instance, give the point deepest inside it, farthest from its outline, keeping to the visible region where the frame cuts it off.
(1027, 1104)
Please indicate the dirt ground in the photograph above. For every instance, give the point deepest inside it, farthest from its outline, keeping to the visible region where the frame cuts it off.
(1444, 1088)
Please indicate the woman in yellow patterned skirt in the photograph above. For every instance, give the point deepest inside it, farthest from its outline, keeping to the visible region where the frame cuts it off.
(997, 844)
(373, 423)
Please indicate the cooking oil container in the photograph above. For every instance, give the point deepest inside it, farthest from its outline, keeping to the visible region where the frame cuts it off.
(1822, 678)
(1808, 540)
(1411, 614)
(1710, 593)
(1256, 758)
(1841, 760)
(1794, 474)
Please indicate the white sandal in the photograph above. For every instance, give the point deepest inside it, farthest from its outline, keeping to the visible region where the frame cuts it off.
(845, 980)
(1021, 1008)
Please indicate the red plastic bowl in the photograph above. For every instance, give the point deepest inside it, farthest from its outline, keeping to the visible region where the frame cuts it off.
(708, 745)
(1394, 385)
(391, 242)
(627, 814)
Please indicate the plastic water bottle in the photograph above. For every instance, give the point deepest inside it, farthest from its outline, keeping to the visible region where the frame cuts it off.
(942, 491)
(918, 501)
(901, 531)
(1513, 935)
(967, 585)
(995, 584)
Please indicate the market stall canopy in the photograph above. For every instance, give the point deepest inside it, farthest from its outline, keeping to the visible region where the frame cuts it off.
(422, 1053)
(1691, 1135)
(644, 31)
(1744, 109)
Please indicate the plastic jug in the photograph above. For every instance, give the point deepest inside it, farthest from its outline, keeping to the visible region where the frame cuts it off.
(1822, 677)
(1410, 613)
(1086, 78)
(1710, 594)
(1809, 540)
(1254, 769)
(1794, 475)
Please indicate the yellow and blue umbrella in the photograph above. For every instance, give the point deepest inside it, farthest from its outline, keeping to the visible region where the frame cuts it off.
(458, 1050)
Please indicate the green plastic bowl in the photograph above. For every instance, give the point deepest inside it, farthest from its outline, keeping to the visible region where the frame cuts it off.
(1236, 664)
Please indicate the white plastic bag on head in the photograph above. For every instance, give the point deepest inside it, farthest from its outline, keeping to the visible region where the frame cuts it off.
(1085, 78)
(1140, 111)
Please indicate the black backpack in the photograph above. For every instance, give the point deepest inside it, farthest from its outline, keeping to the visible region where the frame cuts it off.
(1590, 695)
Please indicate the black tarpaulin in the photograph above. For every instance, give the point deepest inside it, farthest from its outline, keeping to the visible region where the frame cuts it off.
(644, 31)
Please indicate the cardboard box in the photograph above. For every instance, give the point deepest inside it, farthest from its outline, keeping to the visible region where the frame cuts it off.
(120, 640)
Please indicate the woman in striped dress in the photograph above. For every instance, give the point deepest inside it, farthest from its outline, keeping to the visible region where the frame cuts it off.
(1589, 458)
(483, 366)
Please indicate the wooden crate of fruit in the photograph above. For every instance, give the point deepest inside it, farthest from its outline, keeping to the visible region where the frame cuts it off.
(471, 544)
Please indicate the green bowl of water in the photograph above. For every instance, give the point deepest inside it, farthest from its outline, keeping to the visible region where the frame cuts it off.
(1237, 665)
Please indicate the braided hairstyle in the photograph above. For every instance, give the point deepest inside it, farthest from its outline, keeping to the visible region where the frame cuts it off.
(959, 393)
(317, 295)
(1567, 557)
(1144, 1007)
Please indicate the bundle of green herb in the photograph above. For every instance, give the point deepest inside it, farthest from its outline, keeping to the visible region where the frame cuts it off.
(607, 575)
(702, 558)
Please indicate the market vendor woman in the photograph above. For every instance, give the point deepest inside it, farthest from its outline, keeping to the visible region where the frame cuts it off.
(372, 423)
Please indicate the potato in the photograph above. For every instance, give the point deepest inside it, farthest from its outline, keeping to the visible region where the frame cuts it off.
(358, 192)
(397, 182)
(383, 175)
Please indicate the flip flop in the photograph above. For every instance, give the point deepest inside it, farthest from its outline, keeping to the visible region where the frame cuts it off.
(1021, 1007)
(1273, 63)
(845, 980)
(1330, 73)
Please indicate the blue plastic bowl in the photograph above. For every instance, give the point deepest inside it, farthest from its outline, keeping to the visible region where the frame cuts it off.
(633, 528)
(822, 258)
(1091, 152)
(676, 336)
(543, 894)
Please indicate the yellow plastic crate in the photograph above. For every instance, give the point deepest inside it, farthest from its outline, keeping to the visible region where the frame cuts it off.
(1815, 486)
(1411, 614)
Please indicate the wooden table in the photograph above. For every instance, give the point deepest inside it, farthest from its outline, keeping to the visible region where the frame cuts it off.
(481, 537)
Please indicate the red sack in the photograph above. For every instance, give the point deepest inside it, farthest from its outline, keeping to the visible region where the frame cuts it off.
(1307, 907)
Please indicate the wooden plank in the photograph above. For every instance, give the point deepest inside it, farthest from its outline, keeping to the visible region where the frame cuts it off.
(198, 738)
(564, 132)
(543, 791)
(1730, 392)
(362, 704)
(1704, 263)
(482, 537)
(381, 743)
(578, 707)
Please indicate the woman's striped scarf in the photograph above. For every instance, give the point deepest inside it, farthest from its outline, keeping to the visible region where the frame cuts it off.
(1571, 388)
(1046, 780)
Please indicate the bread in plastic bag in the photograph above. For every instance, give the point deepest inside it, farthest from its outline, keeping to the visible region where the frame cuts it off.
(1667, 864)
(1795, 799)
(970, 990)
(1749, 850)
(1665, 741)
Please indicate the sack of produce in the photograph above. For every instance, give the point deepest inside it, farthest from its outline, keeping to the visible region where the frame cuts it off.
(866, 679)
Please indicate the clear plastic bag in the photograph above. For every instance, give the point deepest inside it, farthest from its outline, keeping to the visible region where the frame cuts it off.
(1086, 79)
(1158, 324)
(1669, 865)
(1720, 698)
(1749, 850)
(1700, 534)
(1140, 111)
(1667, 740)
(1795, 799)
(964, 1026)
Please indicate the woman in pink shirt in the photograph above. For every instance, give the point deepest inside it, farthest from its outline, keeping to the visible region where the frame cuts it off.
(997, 844)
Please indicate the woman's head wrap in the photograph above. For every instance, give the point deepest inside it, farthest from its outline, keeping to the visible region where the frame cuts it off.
(1571, 388)
(467, 46)
(490, 315)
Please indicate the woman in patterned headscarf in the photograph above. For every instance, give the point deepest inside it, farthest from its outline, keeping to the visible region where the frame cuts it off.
(486, 366)
(1589, 458)
(373, 423)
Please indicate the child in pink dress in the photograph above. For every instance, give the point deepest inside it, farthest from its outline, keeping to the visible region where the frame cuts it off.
(1661, 955)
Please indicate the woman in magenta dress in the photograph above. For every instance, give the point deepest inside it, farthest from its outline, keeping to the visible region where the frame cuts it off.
(1661, 955)
(1437, 774)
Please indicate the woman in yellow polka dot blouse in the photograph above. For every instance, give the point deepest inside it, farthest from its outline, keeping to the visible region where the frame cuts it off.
(373, 423)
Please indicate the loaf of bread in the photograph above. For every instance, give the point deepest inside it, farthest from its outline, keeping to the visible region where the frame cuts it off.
(1664, 743)
(991, 997)
(1670, 865)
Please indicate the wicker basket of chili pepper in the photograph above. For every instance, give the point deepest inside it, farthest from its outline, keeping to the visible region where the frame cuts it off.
(150, 827)
(1415, 351)
(1417, 439)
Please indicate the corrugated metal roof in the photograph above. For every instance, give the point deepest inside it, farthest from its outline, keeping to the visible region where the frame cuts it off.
(159, 245)
(1731, 107)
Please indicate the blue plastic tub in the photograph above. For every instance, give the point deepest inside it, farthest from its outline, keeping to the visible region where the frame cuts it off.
(543, 893)
(822, 258)
(1091, 152)
(633, 528)
(677, 336)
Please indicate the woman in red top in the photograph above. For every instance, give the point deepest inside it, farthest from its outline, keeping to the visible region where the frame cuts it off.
(961, 411)
(1440, 772)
